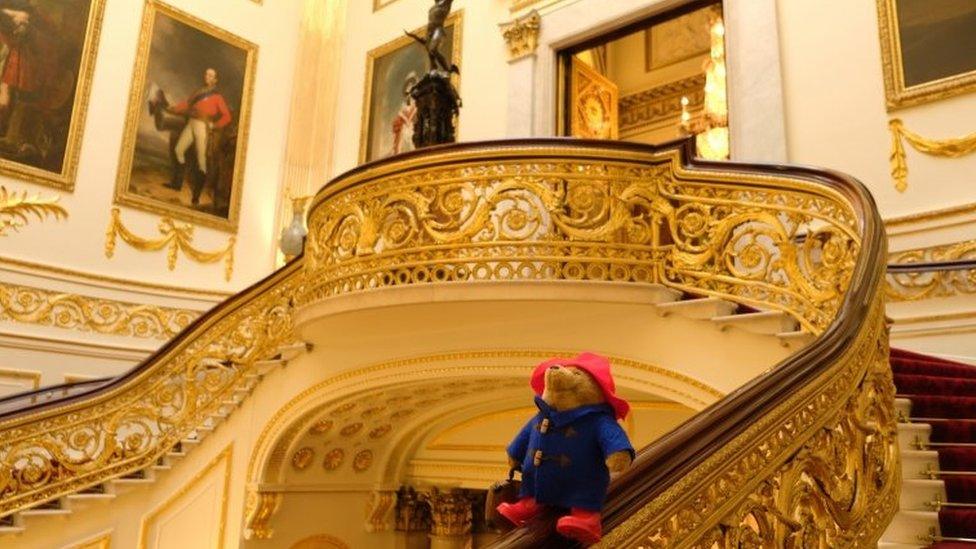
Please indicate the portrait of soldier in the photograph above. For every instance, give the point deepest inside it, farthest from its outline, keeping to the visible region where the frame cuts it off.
(192, 108)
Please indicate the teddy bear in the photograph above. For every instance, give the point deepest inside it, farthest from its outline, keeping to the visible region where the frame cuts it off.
(568, 451)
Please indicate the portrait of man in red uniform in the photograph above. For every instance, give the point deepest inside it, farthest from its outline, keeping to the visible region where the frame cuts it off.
(41, 46)
(192, 103)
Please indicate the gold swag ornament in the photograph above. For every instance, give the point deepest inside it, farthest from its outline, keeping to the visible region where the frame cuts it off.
(945, 148)
(15, 207)
(176, 237)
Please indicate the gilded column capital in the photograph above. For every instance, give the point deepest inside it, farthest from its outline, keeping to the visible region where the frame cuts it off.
(522, 35)
(450, 512)
(412, 511)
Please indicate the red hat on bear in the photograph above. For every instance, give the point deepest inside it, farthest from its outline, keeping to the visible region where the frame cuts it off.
(598, 368)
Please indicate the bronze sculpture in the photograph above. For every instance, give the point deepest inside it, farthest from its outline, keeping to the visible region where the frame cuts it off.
(436, 98)
(436, 18)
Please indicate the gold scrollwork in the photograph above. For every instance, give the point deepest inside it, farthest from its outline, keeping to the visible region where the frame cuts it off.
(259, 507)
(175, 237)
(821, 470)
(65, 449)
(609, 220)
(913, 286)
(945, 148)
(91, 314)
(15, 209)
(522, 35)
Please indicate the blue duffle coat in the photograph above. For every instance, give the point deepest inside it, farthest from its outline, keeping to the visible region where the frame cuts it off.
(571, 469)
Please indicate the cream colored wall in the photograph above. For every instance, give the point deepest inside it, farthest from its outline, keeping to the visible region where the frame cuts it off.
(77, 244)
(835, 108)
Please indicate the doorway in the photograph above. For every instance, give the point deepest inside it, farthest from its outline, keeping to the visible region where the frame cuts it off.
(653, 81)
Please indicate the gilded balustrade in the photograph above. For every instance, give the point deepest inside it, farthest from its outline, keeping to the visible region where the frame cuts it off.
(61, 449)
(820, 470)
(548, 210)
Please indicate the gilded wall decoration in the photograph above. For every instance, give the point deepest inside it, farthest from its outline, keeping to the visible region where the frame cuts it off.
(321, 427)
(91, 314)
(922, 56)
(259, 507)
(945, 148)
(185, 140)
(333, 459)
(46, 67)
(176, 237)
(100, 541)
(16, 209)
(522, 35)
(392, 69)
(362, 461)
(660, 104)
(303, 458)
(927, 284)
(380, 511)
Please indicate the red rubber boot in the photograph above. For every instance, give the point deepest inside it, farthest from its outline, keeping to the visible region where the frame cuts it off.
(520, 512)
(582, 525)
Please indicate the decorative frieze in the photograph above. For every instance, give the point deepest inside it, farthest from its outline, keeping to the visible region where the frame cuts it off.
(659, 104)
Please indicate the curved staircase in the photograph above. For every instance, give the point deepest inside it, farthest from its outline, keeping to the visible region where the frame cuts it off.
(937, 437)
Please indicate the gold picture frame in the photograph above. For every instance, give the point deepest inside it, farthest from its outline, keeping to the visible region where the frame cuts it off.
(242, 81)
(380, 4)
(64, 178)
(454, 24)
(898, 94)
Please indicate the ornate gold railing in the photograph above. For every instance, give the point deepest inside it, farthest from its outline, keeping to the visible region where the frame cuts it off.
(50, 449)
(804, 455)
(938, 271)
(596, 211)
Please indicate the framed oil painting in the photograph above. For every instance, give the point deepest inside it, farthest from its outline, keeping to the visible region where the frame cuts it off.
(185, 138)
(391, 70)
(47, 55)
(928, 49)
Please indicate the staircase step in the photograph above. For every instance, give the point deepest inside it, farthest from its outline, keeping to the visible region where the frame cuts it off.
(41, 512)
(90, 496)
(892, 545)
(914, 463)
(911, 527)
(917, 494)
(795, 340)
(702, 308)
(911, 435)
(288, 352)
(766, 322)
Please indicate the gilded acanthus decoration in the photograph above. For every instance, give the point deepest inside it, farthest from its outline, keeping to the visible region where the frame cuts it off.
(412, 511)
(259, 507)
(91, 314)
(450, 512)
(176, 238)
(614, 220)
(522, 35)
(821, 470)
(65, 449)
(945, 148)
(381, 511)
(926, 284)
(16, 209)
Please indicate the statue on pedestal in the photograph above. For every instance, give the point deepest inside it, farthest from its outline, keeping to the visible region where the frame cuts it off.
(437, 100)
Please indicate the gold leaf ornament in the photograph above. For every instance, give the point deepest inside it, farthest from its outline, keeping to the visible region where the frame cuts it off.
(17, 207)
(945, 148)
(175, 237)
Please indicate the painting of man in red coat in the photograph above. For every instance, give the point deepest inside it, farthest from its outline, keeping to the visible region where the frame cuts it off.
(41, 48)
(192, 102)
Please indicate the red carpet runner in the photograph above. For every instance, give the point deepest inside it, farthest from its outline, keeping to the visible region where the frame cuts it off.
(943, 394)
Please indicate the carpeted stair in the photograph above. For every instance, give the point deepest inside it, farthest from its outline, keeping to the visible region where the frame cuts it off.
(943, 396)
